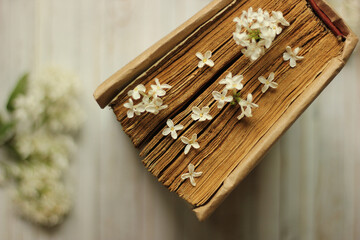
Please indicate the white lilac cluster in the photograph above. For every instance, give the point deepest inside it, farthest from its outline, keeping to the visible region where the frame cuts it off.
(256, 31)
(46, 116)
(150, 102)
(40, 194)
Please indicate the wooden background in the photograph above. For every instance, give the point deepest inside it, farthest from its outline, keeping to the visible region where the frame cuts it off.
(307, 187)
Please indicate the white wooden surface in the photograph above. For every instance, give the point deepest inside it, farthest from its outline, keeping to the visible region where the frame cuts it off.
(306, 188)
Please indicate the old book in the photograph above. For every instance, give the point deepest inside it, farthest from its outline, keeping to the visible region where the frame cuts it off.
(229, 148)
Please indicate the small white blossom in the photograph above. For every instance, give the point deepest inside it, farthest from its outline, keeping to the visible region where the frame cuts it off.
(254, 49)
(242, 39)
(222, 98)
(268, 35)
(172, 129)
(244, 112)
(201, 114)
(158, 89)
(279, 18)
(246, 106)
(191, 175)
(250, 14)
(292, 56)
(268, 82)
(262, 20)
(136, 92)
(241, 21)
(155, 106)
(133, 109)
(232, 82)
(190, 143)
(205, 60)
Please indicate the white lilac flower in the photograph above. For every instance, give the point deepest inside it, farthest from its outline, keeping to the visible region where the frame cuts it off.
(222, 98)
(136, 92)
(268, 82)
(54, 93)
(241, 21)
(132, 109)
(262, 20)
(250, 14)
(155, 106)
(201, 114)
(245, 112)
(292, 56)
(172, 129)
(232, 82)
(40, 195)
(248, 102)
(268, 35)
(246, 106)
(191, 175)
(242, 39)
(205, 59)
(158, 89)
(254, 50)
(190, 143)
(279, 18)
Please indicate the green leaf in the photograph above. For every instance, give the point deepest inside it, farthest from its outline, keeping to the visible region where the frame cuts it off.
(19, 89)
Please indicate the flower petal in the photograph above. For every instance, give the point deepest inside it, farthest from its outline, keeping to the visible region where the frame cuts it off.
(195, 117)
(191, 168)
(199, 55)
(262, 79)
(185, 176)
(166, 131)
(196, 110)
(271, 76)
(174, 134)
(292, 62)
(195, 145)
(296, 50)
(201, 64)
(136, 95)
(210, 63)
(165, 86)
(170, 123)
(194, 137)
(130, 113)
(205, 109)
(185, 140)
(264, 88)
(141, 88)
(178, 127)
(286, 56)
(288, 49)
(192, 181)
(273, 84)
(220, 104)
(208, 54)
(187, 149)
(216, 95)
